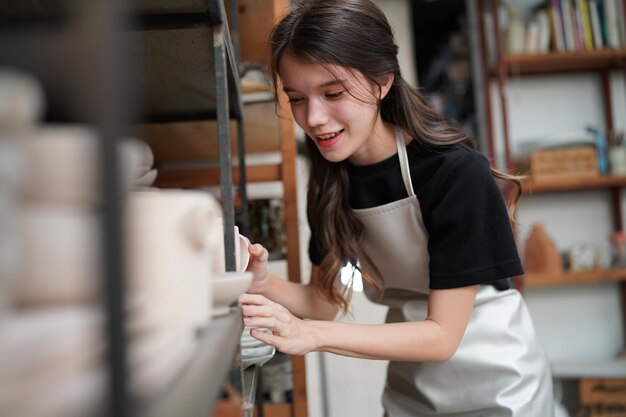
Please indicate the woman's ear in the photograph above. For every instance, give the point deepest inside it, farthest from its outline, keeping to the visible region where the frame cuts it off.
(385, 85)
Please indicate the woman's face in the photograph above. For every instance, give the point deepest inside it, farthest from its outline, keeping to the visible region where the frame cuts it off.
(344, 125)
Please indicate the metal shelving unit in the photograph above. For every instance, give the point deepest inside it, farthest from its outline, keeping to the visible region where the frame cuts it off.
(109, 63)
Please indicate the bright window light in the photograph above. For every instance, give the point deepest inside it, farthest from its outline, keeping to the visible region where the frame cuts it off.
(349, 273)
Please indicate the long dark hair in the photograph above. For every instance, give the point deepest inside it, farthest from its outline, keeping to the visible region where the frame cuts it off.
(353, 34)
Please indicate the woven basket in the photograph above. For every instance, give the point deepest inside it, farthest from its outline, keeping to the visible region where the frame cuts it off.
(564, 163)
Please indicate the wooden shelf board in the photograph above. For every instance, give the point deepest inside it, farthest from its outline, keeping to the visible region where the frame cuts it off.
(597, 275)
(276, 410)
(206, 177)
(607, 181)
(174, 142)
(576, 61)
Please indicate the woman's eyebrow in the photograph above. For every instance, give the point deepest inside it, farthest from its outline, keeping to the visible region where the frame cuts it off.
(288, 89)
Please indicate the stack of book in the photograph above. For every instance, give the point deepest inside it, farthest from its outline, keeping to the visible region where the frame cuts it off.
(573, 25)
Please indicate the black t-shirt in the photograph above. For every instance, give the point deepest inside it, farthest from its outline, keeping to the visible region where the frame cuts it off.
(470, 238)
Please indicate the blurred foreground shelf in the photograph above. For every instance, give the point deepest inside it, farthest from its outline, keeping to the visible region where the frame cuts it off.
(170, 61)
(195, 391)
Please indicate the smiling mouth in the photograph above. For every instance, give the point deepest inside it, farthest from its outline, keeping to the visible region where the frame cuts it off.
(328, 136)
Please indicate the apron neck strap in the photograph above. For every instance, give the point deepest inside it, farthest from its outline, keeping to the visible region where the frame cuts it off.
(404, 161)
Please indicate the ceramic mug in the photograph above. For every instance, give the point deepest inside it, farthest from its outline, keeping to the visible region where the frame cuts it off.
(242, 255)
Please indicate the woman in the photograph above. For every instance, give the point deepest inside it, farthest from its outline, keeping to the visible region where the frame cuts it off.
(401, 194)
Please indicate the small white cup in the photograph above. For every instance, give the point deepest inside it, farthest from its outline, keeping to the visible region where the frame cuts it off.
(242, 255)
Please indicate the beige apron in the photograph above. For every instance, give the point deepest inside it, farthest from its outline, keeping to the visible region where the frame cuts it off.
(499, 369)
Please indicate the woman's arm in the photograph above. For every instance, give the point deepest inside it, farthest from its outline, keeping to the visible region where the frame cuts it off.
(434, 339)
(303, 301)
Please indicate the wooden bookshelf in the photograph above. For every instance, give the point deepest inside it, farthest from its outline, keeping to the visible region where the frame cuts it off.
(596, 275)
(574, 184)
(562, 62)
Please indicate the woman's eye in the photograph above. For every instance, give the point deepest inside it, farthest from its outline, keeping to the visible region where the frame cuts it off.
(336, 94)
(295, 100)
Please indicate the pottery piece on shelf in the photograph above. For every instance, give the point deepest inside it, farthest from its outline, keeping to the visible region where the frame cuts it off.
(55, 355)
(169, 251)
(147, 179)
(540, 253)
(63, 164)
(227, 287)
(21, 100)
(61, 261)
(242, 255)
(157, 357)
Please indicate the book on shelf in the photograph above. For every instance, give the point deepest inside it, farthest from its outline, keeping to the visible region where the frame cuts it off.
(594, 14)
(538, 31)
(612, 23)
(557, 26)
(532, 37)
(544, 31)
(516, 33)
(584, 23)
(569, 27)
(621, 21)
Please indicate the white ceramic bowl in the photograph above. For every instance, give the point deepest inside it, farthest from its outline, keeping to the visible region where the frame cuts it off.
(227, 287)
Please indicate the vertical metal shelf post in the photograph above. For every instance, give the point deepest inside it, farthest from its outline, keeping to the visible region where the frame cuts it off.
(244, 225)
(223, 131)
(99, 91)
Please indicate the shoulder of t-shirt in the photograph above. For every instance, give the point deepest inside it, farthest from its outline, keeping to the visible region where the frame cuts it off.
(446, 164)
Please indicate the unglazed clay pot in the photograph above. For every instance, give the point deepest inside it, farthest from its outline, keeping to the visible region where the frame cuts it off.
(169, 251)
(540, 252)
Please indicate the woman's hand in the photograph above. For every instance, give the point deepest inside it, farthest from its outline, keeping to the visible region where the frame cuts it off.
(258, 267)
(290, 334)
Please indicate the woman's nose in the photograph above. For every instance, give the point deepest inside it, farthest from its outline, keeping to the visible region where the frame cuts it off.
(316, 113)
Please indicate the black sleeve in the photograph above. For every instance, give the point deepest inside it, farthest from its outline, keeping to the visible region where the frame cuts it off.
(470, 236)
